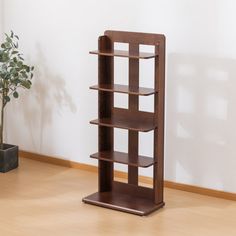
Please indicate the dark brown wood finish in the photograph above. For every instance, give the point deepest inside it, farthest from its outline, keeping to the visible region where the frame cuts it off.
(133, 106)
(121, 53)
(129, 197)
(123, 202)
(105, 105)
(127, 119)
(159, 111)
(133, 190)
(123, 158)
(133, 125)
(118, 88)
(135, 37)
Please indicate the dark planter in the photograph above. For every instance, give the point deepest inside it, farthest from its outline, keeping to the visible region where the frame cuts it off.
(8, 157)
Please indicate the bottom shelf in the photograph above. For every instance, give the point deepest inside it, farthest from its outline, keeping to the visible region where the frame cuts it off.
(123, 202)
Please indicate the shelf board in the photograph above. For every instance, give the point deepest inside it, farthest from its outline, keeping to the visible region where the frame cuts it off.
(123, 202)
(129, 124)
(123, 158)
(118, 88)
(122, 53)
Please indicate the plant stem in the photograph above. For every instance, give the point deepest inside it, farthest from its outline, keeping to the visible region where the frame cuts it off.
(2, 118)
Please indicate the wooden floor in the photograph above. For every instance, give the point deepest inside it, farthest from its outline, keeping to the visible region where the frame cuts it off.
(44, 199)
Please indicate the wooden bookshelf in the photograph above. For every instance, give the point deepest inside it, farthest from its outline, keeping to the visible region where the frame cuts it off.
(118, 88)
(130, 120)
(121, 53)
(123, 158)
(124, 124)
(129, 197)
(123, 202)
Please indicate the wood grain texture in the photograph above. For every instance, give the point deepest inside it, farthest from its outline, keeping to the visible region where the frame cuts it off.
(44, 199)
(122, 53)
(133, 190)
(129, 198)
(118, 122)
(123, 175)
(133, 135)
(131, 119)
(127, 119)
(123, 202)
(159, 117)
(123, 158)
(105, 105)
(118, 88)
(134, 37)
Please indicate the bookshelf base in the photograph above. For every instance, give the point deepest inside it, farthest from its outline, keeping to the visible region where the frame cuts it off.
(123, 202)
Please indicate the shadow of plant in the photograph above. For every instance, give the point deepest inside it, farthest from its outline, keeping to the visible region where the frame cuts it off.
(38, 106)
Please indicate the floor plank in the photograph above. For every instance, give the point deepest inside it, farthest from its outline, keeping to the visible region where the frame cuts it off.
(44, 199)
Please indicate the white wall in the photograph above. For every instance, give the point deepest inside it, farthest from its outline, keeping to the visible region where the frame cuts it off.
(1, 18)
(53, 118)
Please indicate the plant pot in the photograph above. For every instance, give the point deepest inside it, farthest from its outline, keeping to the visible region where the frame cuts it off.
(8, 157)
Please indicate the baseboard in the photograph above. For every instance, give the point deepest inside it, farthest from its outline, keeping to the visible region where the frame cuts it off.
(120, 174)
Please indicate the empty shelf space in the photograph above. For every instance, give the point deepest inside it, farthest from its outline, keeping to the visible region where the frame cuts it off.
(123, 202)
(121, 53)
(123, 158)
(124, 89)
(126, 119)
(124, 124)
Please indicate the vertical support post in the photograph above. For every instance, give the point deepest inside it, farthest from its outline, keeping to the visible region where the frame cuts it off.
(105, 105)
(133, 106)
(159, 108)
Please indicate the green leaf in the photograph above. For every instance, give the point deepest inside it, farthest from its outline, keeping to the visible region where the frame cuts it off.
(8, 39)
(24, 74)
(7, 45)
(12, 64)
(7, 76)
(15, 94)
(27, 68)
(16, 81)
(7, 99)
(12, 70)
(19, 63)
(4, 57)
(25, 84)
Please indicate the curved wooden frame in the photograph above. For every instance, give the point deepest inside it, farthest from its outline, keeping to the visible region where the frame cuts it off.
(129, 197)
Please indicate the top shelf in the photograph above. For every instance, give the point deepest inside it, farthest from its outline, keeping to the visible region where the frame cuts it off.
(121, 53)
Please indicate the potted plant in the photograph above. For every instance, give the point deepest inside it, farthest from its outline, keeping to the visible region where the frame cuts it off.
(14, 74)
